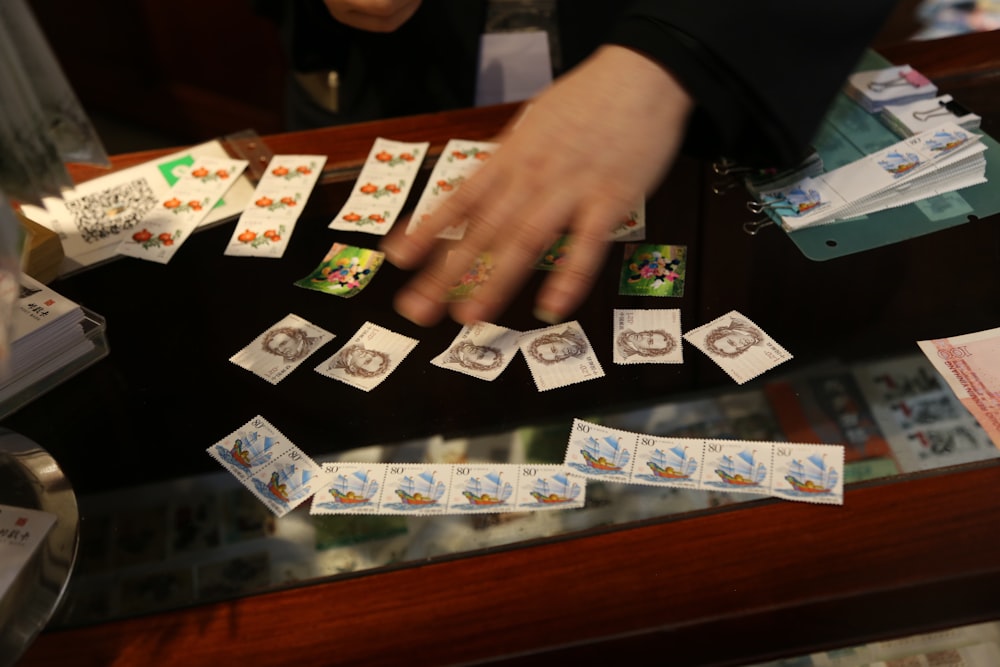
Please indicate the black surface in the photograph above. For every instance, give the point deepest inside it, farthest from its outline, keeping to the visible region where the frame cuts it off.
(167, 391)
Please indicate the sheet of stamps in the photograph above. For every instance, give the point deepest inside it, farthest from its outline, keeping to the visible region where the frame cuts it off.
(344, 271)
(430, 489)
(368, 357)
(282, 348)
(266, 223)
(792, 471)
(458, 161)
(653, 270)
(647, 336)
(924, 422)
(970, 364)
(169, 223)
(482, 350)
(559, 355)
(382, 187)
(850, 189)
(738, 346)
(276, 471)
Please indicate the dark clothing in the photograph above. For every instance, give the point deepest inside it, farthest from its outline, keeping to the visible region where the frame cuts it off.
(762, 73)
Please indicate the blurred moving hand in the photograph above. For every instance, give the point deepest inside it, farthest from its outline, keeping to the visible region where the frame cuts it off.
(586, 149)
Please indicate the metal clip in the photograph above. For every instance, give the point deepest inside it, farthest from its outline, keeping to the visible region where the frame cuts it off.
(752, 227)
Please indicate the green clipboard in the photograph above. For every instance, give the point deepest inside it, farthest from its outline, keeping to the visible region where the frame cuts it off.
(848, 133)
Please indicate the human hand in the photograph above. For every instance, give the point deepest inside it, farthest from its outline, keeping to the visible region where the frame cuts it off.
(588, 147)
(373, 15)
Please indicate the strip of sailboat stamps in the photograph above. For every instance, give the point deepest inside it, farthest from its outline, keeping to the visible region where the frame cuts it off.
(791, 471)
(429, 489)
(280, 474)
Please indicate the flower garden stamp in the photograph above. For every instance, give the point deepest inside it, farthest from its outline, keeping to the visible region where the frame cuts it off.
(653, 270)
(482, 350)
(344, 271)
(559, 355)
(368, 357)
(647, 336)
(738, 346)
(282, 348)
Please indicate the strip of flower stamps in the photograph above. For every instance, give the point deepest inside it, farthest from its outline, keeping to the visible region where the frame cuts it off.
(458, 161)
(368, 357)
(185, 206)
(381, 188)
(266, 224)
(280, 474)
(792, 471)
(427, 489)
(738, 346)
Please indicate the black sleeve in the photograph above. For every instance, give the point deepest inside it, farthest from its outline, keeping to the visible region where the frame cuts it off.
(762, 73)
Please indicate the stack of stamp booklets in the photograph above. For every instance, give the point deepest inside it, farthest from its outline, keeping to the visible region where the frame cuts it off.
(943, 159)
(50, 335)
(874, 89)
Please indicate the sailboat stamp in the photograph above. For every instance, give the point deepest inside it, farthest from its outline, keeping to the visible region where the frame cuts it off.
(599, 452)
(548, 487)
(810, 473)
(287, 481)
(353, 488)
(739, 466)
(483, 488)
(415, 489)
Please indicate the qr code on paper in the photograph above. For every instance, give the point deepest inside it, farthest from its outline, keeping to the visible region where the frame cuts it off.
(112, 211)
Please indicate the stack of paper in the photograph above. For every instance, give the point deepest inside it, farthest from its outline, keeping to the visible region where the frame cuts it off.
(936, 161)
(909, 119)
(48, 333)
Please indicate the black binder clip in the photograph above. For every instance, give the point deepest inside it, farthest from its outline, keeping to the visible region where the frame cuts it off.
(943, 109)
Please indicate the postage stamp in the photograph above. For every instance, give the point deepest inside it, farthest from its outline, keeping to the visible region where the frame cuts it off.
(368, 357)
(653, 270)
(482, 350)
(559, 355)
(279, 350)
(344, 271)
(286, 481)
(647, 336)
(738, 346)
